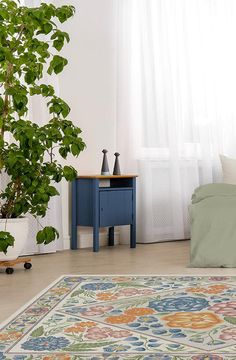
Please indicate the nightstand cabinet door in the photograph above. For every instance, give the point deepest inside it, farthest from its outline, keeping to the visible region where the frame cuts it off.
(115, 207)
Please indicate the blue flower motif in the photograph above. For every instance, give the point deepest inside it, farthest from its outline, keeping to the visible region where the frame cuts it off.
(72, 310)
(148, 319)
(131, 338)
(187, 278)
(175, 331)
(140, 349)
(115, 312)
(154, 345)
(179, 335)
(2, 357)
(143, 328)
(116, 348)
(156, 326)
(135, 325)
(137, 343)
(20, 357)
(98, 286)
(159, 332)
(45, 343)
(174, 346)
(184, 303)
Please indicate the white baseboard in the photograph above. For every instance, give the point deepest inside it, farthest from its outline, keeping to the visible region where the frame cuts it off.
(66, 242)
(85, 238)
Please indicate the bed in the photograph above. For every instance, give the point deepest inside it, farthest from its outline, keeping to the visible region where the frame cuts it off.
(213, 226)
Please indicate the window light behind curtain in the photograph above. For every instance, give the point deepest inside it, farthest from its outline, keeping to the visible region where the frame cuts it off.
(176, 103)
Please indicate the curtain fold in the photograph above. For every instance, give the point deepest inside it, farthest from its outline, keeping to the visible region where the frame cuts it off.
(176, 89)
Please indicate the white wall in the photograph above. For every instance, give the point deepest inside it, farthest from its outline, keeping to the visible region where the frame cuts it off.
(88, 84)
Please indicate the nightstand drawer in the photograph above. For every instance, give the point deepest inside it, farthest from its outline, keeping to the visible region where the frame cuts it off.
(115, 207)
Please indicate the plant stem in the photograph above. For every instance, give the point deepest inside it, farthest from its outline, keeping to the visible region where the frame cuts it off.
(9, 206)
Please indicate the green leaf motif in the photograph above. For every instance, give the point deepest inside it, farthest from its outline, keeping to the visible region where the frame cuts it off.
(37, 332)
(88, 346)
(230, 319)
(76, 293)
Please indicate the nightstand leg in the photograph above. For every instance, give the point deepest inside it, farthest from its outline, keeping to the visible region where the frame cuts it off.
(95, 239)
(74, 238)
(132, 236)
(111, 236)
(74, 216)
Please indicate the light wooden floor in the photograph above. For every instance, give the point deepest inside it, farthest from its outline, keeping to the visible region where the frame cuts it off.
(162, 258)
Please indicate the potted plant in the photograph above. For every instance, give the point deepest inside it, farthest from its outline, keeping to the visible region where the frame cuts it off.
(30, 43)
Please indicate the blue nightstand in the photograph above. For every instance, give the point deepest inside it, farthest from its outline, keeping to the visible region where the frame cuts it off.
(104, 201)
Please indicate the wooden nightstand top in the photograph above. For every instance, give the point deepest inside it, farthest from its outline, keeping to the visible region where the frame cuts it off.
(106, 176)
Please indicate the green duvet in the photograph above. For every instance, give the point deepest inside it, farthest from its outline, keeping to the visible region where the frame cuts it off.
(213, 226)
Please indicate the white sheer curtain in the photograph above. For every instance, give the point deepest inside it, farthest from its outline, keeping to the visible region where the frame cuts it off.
(38, 113)
(176, 96)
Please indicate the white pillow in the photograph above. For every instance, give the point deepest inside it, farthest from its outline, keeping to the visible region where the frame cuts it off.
(228, 169)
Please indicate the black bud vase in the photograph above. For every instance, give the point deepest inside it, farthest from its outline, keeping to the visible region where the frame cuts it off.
(105, 167)
(116, 170)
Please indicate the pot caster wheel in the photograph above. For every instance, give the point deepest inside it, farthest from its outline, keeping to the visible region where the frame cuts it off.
(27, 266)
(9, 270)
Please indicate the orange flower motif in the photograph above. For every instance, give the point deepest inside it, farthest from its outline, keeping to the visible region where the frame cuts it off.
(13, 335)
(212, 289)
(106, 296)
(60, 290)
(192, 320)
(139, 311)
(80, 327)
(74, 329)
(120, 319)
(86, 324)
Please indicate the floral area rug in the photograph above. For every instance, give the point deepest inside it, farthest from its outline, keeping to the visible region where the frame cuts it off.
(126, 318)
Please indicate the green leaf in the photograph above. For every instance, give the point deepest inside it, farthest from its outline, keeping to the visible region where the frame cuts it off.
(57, 64)
(1, 104)
(64, 151)
(6, 240)
(52, 191)
(30, 77)
(69, 173)
(47, 235)
(65, 12)
(47, 28)
(75, 149)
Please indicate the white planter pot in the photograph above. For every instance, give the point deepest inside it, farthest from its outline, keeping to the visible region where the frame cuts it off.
(19, 229)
